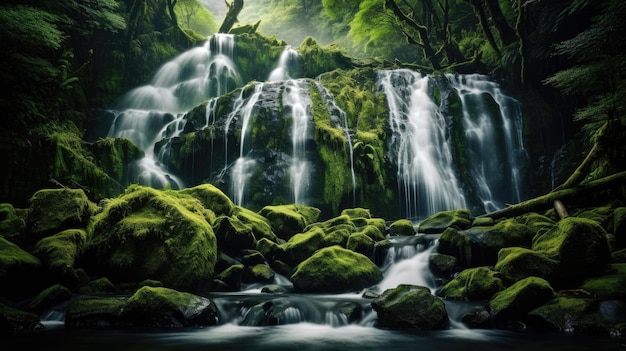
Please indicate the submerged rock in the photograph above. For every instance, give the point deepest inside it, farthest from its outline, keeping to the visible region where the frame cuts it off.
(335, 269)
(410, 307)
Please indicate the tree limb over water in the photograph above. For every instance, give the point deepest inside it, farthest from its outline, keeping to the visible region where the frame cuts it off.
(231, 17)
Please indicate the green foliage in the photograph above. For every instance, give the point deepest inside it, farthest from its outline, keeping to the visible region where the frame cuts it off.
(192, 15)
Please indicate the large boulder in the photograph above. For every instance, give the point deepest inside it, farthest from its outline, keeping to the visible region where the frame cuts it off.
(473, 284)
(301, 246)
(60, 252)
(212, 198)
(437, 223)
(233, 235)
(19, 271)
(335, 269)
(167, 308)
(410, 307)
(260, 225)
(150, 234)
(580, 245)
(287, 220)
(11, 224)
(517, 263)
(48, 298)
(54, 210)
(569, 314)
(610, 284)
(95, 312)
(514, 302)
(401, 227)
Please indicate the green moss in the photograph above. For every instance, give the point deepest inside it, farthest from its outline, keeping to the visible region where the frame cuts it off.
(233, 235)
(98, 286)
(260, 225)
(211, 198)
(569, 314)
(94, 311)
(454, 243)
(12, 256)
(401, 227)
(302, 246)
(62, 250)
(259, 273)
(360, 242)
(287, 220)
(373, 233)
(53, 210)
(516, 263)
(114, 154)
(437, 223)
(11, 223)
(609, 285)
(520, 298)
(357, 213)
(479, 283)
(318, 59)
(378, 223)
(49, 298)
(335, 269)
(410, 307)
(337, 237)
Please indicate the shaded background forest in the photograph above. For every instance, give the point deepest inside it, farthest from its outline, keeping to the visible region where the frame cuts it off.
(62, 61)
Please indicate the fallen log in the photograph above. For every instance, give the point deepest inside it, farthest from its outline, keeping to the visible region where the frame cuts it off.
(583, 195)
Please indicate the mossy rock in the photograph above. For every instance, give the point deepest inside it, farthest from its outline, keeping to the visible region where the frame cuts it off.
(232, 277)
(11, 224)
(60, 252)
(538, 224)
(233, 235)
(378, 223)
(410, 307)
(269, 249)
(259, 273)
(482, 221)
(114, 155)
(517, 300)
(456, 244)
(610, 284)
(569, 314)
(168, 308)
(479, 283)
(437, 223)
(15, 264)
(54, 210)
(372, 232)
(152, 234)
(335, 269)
(48, 298)
(259, 224)
(16, 320)
(360, 242)
(343, 221)
(401, 227)
(98, 286)
(357, 213)
(212, 198)
(337, 237)
(302, 246)
(517, 263)
(441, 265)
(287, 220)
(95, 312)
(579, 244)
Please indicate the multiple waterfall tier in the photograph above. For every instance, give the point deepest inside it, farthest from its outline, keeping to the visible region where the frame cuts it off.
(454, 141)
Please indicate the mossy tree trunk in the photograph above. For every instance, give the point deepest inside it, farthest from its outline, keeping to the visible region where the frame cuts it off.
(231, 17)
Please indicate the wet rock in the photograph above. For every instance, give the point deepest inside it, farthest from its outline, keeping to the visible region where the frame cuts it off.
(95, 312)
(401, 227)
(514, 303)
(48, 298)
(479, 283)
(610, 284)
(437, 223)
(516, 263)
(233, 235)
(361, 243)
(441, 265)
(302, 246)
(259, 273)
(410, 307)
(13, 319)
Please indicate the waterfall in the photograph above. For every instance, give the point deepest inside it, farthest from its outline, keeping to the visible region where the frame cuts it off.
(420, 145)
(286, 63)
(339, 119)
(493, 138)
(297, 104)
(150, 113)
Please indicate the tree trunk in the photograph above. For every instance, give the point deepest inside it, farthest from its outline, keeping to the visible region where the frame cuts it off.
(589, 194)
(507, 34)
(484, 23)
(231, 16)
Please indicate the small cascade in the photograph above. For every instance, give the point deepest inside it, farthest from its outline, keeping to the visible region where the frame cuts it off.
(339, 119)
(493, 139)
(420, 145)
(297, 105)
(407, 263)
(286, 65)
(148, 114)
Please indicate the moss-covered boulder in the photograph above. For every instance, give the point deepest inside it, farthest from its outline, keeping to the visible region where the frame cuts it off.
(401, 227)
(360, 242)
(212, 198)
(302, 246)
(168, 308)
(479, 283)
(580, 245)
(259, 273)
(48, 298)
(456, 244)
(373, 232)
(335, 269)
(95, 312)
(514, 302)
(609, 284)
(337, 237)
(410, 307)
(569, 314)
(441, 265)
(260, 225)
(356, 213)
(516, 263)
(233, 236)
(54, 210)
(11, 224)
(150, 234)
(98, 287)
(60, 252)
(229, 279)
(15, 265)
(437, 223)
(13, 319)
(287, 220)
(536, 223)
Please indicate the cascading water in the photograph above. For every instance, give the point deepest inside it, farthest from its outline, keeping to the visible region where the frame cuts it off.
(339, 119)
(297, 104)
(153, 112)
(286, 64)
(420, 145)
(494, 143)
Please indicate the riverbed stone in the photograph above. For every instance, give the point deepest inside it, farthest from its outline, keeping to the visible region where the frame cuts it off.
(231, 278)
(233, 235)
(580, 245)
(95, 312)
(357, 212)
(335, 269)
(260, 225)
(410, 307)
(168, 308)
(401, 227)
(361, 243)
(152, 234)
(259, 273)
(48, 298)
(441, 265)
(287, 220)
(569, 314)
(437, 223)
(301, 246)
(517, 263)
(514, 302)
(212, 198)
(479, 283)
